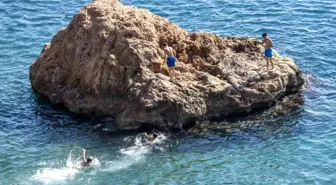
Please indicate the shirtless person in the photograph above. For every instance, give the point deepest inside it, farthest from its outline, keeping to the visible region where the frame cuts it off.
(268, 49)
(88, 161)
(171, 59)
(151, 138)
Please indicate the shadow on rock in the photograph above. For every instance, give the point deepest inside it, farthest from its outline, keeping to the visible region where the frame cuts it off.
(272, 118)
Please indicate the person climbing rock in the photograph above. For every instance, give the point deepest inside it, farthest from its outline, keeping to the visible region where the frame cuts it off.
(86, 161)
(171, 59)
(268, 49)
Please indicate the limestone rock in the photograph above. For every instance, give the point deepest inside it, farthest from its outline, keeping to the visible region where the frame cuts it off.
(110, 61)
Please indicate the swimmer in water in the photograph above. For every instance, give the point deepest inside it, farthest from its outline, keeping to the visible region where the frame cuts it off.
(151, 138)
(86, 161)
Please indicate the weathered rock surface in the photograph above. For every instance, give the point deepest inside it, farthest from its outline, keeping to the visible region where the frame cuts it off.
(288, 106)
(109, 61)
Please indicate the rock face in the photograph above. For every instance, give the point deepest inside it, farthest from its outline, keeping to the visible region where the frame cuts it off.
(110, 61)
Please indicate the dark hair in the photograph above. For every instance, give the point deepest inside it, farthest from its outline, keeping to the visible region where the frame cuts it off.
(89, 159)
(155, 135)
(264, 34)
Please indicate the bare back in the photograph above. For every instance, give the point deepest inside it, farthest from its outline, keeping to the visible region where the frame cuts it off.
(170, 52)
(268, 42)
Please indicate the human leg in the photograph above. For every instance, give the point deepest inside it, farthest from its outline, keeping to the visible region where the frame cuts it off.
(171, 61)
(267, 62)
(268, 56)
(171, 73)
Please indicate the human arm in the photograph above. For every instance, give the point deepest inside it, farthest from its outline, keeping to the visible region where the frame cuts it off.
(263, 42)
(148, 136)
(166, 55)
(84, 158)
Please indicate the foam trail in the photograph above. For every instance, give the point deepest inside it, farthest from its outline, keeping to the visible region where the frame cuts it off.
(133, 154)
(123, 163)
(58, 175)
(141, 146)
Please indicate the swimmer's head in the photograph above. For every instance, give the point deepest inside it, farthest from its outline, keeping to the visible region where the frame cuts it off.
(155, 135)
(264, 35)
(89, 159)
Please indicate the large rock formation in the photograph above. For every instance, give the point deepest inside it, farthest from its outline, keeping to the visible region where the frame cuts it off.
(110, 61)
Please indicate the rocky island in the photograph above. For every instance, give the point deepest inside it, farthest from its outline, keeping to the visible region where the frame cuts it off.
(110, 61)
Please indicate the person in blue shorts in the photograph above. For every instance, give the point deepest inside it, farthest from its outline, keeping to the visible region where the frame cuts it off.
(171, 59)
(268, 49)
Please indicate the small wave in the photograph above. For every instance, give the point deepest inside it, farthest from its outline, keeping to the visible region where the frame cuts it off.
(310, 81)
(315, 84)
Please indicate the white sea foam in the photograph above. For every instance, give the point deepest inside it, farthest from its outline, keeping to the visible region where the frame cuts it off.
(141, 146)
(54, 175)
(133, 154)
(130, 155)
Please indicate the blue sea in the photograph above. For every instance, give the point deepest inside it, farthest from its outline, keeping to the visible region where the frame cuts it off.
(41, 143)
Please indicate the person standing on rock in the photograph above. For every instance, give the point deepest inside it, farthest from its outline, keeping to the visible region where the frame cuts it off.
(171, 59)
(268, 49)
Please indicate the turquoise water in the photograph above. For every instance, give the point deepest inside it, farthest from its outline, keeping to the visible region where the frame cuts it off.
(41, 143)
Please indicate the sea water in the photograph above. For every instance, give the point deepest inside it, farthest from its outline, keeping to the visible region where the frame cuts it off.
(41, 143)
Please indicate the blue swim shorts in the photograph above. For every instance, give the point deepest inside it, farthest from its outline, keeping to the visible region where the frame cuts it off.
(171, 61)
(268, 53)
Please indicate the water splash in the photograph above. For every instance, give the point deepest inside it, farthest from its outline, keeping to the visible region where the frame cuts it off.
(52, 175)
(135, 153)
